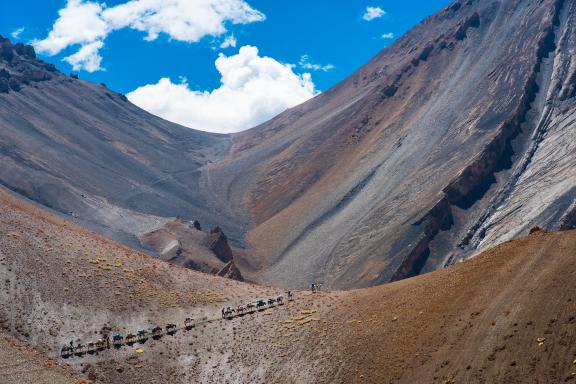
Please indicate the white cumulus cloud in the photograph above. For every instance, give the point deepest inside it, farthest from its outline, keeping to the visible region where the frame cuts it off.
(388, 35)
(87, 57)
(78, 23)
(85, 22)
(253, 89)
(305, 63)
(372, 13)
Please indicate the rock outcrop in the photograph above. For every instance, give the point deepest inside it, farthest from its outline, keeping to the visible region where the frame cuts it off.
(230, 271)
(19, 66)
(217, 242)
(181, 242)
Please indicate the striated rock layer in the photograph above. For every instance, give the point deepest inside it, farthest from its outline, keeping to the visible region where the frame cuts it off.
(457, 137)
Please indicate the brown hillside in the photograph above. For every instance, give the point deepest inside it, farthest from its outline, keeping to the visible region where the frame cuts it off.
(477, 322)
(21, 364)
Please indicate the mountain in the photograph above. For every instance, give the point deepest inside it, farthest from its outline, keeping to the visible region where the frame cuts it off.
(85, 151)
(454, 139)
(505, 316)
(451, 152)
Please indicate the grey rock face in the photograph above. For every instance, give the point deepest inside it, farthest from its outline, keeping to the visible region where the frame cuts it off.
(231, 271)
(84, 151)
(457, 137)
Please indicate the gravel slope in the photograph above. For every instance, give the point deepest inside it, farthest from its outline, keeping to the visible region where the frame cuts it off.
(457, 137)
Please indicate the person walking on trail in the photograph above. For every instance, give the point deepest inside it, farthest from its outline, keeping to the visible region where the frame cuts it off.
(313, 287)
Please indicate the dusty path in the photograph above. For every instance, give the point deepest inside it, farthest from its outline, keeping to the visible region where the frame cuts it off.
(112, 345)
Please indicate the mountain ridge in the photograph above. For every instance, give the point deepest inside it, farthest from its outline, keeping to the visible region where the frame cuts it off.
(428, 154)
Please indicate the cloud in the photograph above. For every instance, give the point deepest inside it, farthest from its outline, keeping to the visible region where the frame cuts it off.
(85, 22)
(16, 34)
(253, 89)
(372, 13)
(306, 64)
(87, 57)
(229, 41)
(78, 23)
(388, 35)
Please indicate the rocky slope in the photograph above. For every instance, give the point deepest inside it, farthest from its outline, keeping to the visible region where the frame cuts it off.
(505, 316)
(457, 137)
(85, 151)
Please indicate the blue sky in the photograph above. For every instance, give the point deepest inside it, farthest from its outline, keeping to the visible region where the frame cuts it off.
(337, 38)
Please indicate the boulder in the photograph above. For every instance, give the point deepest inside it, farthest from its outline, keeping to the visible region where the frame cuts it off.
(472, 22)
(50, 67)
(6, 52)
(15, 84)
(535, 229)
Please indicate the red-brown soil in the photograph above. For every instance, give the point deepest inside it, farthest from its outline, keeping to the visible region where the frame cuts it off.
(477, 322)
(21, 364)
